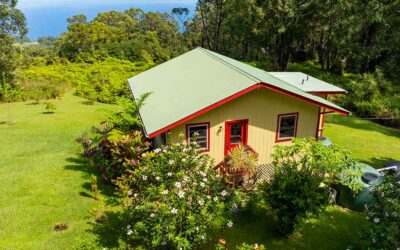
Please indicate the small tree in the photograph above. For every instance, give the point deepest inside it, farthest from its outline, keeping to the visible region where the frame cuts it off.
(303, 171)
(384, 215)
(50, 107)
(172, 198)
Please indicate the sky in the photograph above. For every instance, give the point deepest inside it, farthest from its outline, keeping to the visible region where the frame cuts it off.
(48, 17)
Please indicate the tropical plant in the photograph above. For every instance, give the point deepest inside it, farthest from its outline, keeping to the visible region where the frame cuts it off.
(384, 215)
(241, 160)
(112, 151)
(172, 198)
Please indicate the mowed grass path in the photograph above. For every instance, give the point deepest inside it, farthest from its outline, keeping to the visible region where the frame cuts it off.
(369, 142)
(39, 185)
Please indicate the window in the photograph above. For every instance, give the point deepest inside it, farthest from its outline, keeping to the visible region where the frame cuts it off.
(201, 132)
(287, 127)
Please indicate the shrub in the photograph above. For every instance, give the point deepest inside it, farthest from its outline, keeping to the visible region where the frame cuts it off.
(384, 215)
(333, 164)
(303, 171)
(113, 151)
(50, 107)
(173, 197)
(294, 193)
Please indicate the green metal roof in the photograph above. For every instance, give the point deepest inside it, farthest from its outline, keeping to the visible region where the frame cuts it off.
(306, 82)
(198, 79)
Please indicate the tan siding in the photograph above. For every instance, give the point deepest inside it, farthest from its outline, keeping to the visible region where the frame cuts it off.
(261, 107)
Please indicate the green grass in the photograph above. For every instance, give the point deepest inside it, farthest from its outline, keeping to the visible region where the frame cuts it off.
(369, 142)
(336, 228)
(42, 183)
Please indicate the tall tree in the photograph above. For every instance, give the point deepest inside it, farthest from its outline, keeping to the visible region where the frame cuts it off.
(12, 24)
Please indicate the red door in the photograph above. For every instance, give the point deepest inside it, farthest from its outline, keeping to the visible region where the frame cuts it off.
(235, 134)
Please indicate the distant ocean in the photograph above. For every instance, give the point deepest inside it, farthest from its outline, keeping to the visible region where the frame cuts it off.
(48, 18)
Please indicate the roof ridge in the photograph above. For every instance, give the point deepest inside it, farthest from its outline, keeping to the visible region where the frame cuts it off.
(229, 64)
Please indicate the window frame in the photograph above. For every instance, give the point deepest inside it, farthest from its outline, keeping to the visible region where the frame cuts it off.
(278, 127)
(207, 124)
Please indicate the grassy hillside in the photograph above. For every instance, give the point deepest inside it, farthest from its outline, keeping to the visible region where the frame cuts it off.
(42, 183)
(370, 143)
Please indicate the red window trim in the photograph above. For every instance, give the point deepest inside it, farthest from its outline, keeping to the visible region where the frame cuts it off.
(278, 123)
(208, 133)
(246, 132)
(238, 94)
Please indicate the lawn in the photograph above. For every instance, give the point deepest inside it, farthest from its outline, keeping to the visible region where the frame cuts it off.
(43, 182)
(369, 142)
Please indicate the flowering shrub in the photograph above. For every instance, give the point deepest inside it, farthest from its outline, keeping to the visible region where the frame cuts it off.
(173, 196)
(384, 213)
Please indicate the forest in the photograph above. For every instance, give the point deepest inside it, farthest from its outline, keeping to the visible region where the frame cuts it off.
(353, 44)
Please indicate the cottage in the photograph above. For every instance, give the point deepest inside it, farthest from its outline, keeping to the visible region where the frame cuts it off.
(227, 103)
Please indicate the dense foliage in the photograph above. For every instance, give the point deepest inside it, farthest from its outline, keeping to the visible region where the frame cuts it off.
(173, 197)
(12, 23)
(102, 81)
(384, 215)
(304, 170)
(132, 35)
(117, 144)
(294, 193)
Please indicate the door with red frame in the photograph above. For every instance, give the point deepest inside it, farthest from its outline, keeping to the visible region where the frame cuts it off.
(235, 134)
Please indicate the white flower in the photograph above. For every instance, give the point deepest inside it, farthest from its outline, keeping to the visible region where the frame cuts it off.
(202, 184)
(215, 198)
(129, 192)
(170, 162)
(129, 232)
(196, 134)
(205, 179)
(128, 227)
(144, 177)
(208, 197)
(157, 178)
(201, 202)
(164, 151)
(229, 224)
(183, 160)
(144, 155)
(376, 220)
(177, 184)
(165, 192)
(178, 144)
(174, 210)
(197, 228)
(224, 193)
(152, 215)
(203, 174)
(235, 205)
(169, 174)
(181, 194)
(203, 237)
(185, 150)
(185, 179)
(157, 150)
(135, 195)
